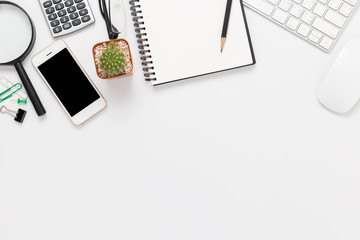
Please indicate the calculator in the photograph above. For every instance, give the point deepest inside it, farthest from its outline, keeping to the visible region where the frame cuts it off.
(66, 16)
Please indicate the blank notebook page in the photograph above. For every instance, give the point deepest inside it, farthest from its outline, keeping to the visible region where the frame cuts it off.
(185, 38)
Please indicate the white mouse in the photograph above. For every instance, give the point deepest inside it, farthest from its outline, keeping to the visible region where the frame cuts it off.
(340, 89)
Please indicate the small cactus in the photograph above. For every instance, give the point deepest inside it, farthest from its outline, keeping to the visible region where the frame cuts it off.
(112, 60)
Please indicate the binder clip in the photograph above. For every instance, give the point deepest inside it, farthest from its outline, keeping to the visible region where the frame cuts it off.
(10, 92)
(18, 115)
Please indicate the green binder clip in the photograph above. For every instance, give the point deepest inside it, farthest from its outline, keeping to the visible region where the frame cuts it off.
(10, 91)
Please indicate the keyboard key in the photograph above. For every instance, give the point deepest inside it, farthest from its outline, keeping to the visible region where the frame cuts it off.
(83, 12)
(68, 3)
(285, 5)
(76, 22)
(307, 17)
(303, 30)
(313, 39)
(52, 16)
(335, 4)
(274, 2)
(73, 16)
(280, 16)
(64, 19)
(326, 27)
(57, 29)
(80, 6)
(308, 4)
(71, 9)
(293, 23)
(85, 18)
(61, 13)
(335, 18)
(315, 36)
(78, 1)
(346, 10)
(67, 26)
(50, 10)
(55, 23)
(352, 2)
(56, 1)
(296, 11)
(47, 4)
(262, 6)
(326, 43)
(320, 9)
(59, 6)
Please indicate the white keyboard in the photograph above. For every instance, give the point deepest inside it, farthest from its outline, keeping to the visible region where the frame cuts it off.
(319, 22)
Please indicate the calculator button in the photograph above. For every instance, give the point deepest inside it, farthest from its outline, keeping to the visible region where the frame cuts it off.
(67, 26)
(47, 4)
(78, 1)
(83, 12)
(56, 1)
(74, 15)
(76, 22)
(50, 10)
(85, 18)
(59, 6)
(61, 13)
(68, 3)
(80, 6)
(52, 16)
(71, 9)
(55, 23)
(57, 29)
(64, 19)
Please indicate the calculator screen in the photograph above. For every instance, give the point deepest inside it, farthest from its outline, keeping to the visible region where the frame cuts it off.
(68, 82)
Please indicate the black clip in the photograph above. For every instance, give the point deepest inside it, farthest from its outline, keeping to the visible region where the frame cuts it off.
(18, 115)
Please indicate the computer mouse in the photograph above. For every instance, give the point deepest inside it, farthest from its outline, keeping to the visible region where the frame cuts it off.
(340, 88)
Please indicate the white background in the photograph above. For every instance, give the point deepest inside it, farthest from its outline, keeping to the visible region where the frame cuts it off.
(247, 154)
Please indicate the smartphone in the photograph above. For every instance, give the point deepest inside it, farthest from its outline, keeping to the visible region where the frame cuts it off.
(69, 83)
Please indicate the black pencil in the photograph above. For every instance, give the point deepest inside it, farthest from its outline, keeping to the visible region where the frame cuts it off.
(226, 23)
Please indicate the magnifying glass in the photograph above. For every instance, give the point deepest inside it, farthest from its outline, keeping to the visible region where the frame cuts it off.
(17, 38)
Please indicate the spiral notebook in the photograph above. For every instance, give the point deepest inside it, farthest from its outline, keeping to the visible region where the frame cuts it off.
(180, 39)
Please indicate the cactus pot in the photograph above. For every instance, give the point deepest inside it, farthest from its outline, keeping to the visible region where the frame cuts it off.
(113, 59)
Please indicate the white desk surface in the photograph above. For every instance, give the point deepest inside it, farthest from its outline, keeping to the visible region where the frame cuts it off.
(247, 154)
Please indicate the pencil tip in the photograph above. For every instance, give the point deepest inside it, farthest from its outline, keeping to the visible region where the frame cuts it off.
(222, 43)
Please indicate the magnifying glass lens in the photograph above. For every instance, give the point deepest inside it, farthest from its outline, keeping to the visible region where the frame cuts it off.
(16, 32)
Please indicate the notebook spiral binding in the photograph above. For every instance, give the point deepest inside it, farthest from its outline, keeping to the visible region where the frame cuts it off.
(140, 29)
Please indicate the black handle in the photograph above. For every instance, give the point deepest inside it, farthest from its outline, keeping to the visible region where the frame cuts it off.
(39, 108)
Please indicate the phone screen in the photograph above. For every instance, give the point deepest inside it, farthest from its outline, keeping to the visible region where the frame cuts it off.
(68, 82)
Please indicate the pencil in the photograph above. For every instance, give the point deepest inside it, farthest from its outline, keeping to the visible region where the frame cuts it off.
(226, 23)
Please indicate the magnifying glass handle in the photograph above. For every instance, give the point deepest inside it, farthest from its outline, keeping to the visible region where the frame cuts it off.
(35, 100)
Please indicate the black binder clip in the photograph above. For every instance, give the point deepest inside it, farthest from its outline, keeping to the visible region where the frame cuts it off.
(18, 115)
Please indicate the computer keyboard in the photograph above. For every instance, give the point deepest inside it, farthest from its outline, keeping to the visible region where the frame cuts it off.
(320, 22)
